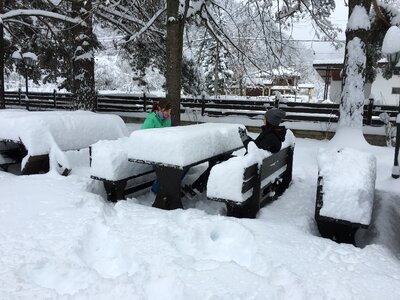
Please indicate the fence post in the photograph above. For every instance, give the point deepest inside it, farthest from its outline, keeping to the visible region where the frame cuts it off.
(55, 98)
(370, 109)
(144, 102)
(203, 104)
(276, 104)
(96, 101)
(19, 96)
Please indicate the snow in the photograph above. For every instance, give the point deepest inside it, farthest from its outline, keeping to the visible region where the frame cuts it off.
(358, 19)
(110, 160)
(65, 130)
(16, 55)
(353, 91)
(226, 178)
(31, 55)
(348, 184)
(391, 42)
(61, 240)
(183, 145)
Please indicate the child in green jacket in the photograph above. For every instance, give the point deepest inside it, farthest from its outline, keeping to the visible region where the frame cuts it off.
(159, 117)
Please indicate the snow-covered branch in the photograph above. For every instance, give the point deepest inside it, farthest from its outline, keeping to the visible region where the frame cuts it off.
(38, 12)
(146, 27)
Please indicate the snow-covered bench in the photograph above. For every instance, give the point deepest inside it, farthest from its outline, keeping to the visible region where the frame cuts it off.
(30, 138)
(109, 164)
(247, 183)
(345, 193)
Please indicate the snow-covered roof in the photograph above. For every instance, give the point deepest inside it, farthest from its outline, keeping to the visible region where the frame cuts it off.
(305, 86)
(325, 53)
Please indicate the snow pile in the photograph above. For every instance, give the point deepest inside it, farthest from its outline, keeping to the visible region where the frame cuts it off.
(110, 160)
(391, 42)
(183, 145)
(359, 19)
(61, 241)
(226, 178)
(69, 130)
(348, 184)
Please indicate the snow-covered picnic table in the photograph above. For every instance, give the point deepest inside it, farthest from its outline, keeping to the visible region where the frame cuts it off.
(172, 151)
(38, 133)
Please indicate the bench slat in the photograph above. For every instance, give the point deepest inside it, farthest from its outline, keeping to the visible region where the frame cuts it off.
(274, 162)
(247, 185)
(250, 172)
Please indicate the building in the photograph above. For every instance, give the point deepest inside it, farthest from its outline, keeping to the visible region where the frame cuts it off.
(283, 80)
(328, 62)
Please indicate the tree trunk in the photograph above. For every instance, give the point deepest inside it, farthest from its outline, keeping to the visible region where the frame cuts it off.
(216, 69)
(83, 60)
(2, 100)
(174, 46)
(354, 71)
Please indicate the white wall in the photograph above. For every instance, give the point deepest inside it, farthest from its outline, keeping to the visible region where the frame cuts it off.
(382, 90)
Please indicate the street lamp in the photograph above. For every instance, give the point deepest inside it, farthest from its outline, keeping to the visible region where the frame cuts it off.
(28, 60)
(391, 48)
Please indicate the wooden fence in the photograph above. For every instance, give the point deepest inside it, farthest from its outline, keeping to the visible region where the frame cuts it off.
(295, 111)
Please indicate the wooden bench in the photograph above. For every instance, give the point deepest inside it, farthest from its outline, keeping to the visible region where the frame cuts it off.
(264, 184)
(119, 189)
(341, 231)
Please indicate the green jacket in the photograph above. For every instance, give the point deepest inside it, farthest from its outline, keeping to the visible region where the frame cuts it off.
(153, 120)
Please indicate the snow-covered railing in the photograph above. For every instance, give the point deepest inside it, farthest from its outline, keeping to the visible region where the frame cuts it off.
(253, 107)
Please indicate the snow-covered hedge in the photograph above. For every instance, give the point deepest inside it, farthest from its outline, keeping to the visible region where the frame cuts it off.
(226, 178)
(348, 184)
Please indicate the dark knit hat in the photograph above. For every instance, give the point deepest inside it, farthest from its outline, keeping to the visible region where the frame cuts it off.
(274, 116)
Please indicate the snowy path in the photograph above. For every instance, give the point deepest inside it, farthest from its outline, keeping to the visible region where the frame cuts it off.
(60, 241)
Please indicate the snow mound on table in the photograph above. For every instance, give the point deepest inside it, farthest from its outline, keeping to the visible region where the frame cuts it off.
(70, 130)
(110, 160)
(184, 145)
(348, 184)
(226, 178)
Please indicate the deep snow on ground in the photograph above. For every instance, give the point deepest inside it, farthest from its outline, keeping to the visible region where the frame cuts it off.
(61, 240)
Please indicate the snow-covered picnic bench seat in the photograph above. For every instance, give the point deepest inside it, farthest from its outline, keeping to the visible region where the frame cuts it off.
(109, 164)
(246, 183)
(30, 137)
(345, 193)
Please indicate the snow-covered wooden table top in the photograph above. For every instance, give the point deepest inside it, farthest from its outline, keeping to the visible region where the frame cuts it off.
(183, 146)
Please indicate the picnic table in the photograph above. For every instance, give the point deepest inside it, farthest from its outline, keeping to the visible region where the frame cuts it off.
(174, 150)
(28, 137)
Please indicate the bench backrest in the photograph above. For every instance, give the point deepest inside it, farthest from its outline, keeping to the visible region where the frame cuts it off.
(274, 176)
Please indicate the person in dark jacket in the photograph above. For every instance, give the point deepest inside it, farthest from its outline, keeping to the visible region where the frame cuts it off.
(272, 135)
